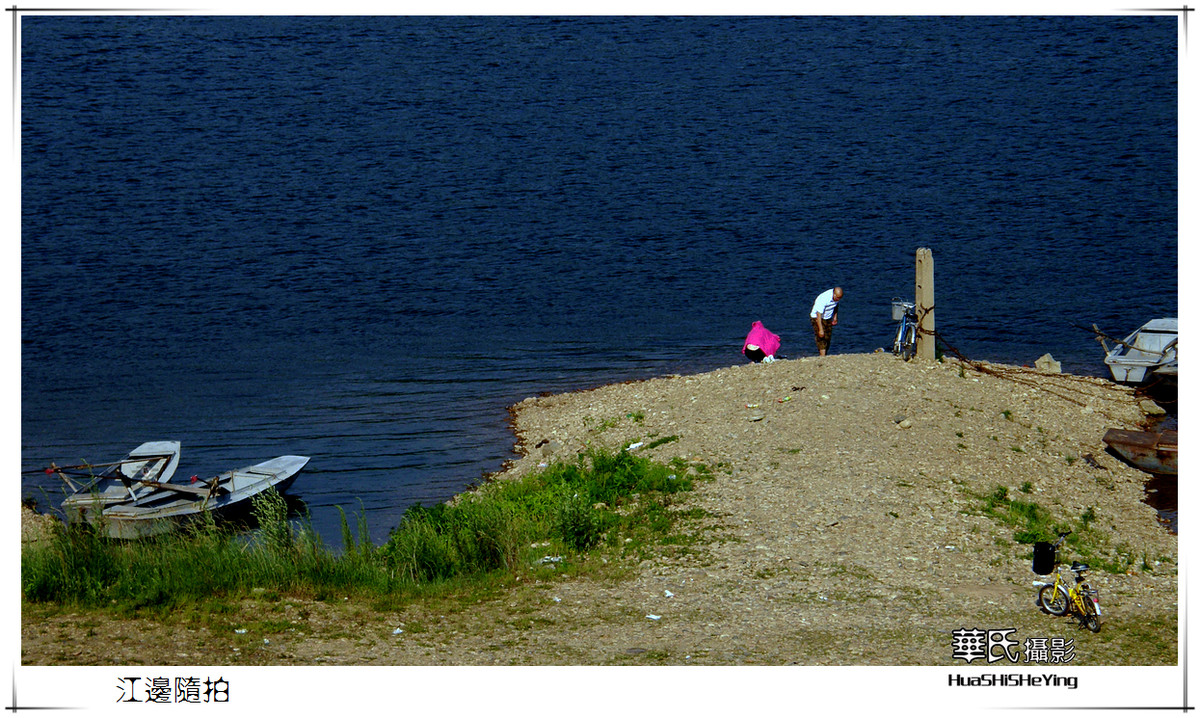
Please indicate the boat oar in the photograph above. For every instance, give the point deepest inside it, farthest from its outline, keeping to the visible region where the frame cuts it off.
(1101, 336)
(207, 482)
(195, 491)
(62, 472)
(54, 468)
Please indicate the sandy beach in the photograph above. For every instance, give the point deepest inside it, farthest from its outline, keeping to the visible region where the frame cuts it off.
(843, 526)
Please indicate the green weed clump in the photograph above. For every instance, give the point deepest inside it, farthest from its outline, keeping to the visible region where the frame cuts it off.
(1032, 523)
(472, 536)
(81, 566)
(573, 505)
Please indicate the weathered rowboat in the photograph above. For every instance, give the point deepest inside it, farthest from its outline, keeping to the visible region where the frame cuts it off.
(118, 482)
(1156, 452)
(1152, 348)
(1168, 371)
(171, 505)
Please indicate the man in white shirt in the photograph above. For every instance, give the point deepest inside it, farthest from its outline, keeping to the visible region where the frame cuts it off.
(824, 317)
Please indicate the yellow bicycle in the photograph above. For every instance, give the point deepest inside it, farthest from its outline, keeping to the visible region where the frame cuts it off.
(1081, 599)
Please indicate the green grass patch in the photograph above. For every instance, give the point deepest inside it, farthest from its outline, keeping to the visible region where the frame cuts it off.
(1032, 523)
(542, 525)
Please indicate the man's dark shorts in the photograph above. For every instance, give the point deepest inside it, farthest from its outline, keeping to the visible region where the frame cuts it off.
(822, 342)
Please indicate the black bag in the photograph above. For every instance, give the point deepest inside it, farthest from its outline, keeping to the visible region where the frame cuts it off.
(1043, 558)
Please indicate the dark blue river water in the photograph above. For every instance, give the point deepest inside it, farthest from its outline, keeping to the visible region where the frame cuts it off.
(361, 239)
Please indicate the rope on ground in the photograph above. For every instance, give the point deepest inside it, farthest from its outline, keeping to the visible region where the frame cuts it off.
(1066, 385)
(1150, 389)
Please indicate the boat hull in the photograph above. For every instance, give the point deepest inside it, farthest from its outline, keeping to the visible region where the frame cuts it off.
(168, 509)
(1153, 452)
(1150, 349)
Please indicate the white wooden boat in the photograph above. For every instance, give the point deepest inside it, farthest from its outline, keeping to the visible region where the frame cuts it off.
(170, 505)
(118, 482)
(1152, 348)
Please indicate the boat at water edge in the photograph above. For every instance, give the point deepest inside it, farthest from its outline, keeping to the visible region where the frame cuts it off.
(1156, 452)
(172, 505)
(118, 482)
(1151, 349)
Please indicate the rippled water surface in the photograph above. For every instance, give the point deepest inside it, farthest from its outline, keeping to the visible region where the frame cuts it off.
(362, 239)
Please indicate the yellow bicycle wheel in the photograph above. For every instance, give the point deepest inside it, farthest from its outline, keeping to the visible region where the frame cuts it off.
(1054, 599)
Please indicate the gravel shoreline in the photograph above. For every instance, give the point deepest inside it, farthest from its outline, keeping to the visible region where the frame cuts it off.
(847, 482)
(843, 528)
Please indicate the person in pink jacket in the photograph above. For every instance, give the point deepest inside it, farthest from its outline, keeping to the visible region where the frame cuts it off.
(761, 344)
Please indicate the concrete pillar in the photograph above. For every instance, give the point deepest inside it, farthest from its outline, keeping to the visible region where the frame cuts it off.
(926, 343)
